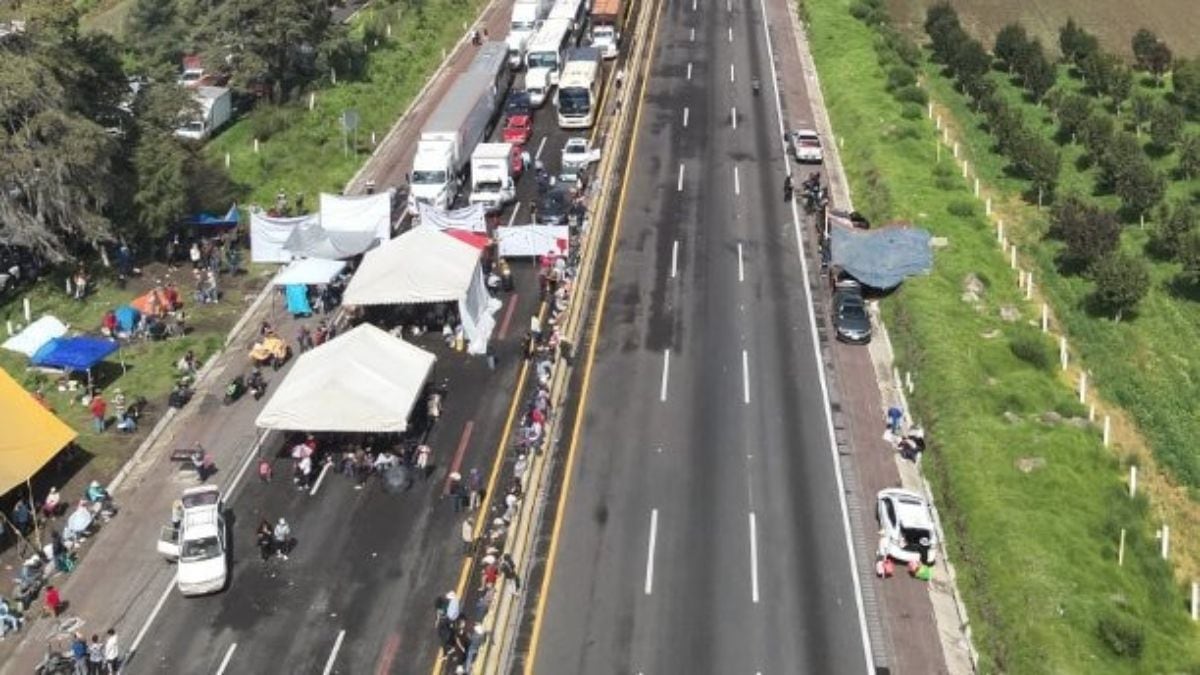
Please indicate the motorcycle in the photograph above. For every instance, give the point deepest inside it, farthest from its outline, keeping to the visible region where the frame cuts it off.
(256, 384)
(235, 389)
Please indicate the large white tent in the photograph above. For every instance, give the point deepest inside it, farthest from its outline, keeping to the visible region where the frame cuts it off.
(363, 381)
(427, 265)
(36, 334)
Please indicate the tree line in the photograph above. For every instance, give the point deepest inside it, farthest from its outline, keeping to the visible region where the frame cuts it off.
(87, 162)
(1094, 117)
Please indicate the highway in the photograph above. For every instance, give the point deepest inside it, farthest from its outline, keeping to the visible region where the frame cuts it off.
(703, 530)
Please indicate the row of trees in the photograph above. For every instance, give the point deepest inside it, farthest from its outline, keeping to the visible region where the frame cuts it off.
(1031, 155)
(86, 162)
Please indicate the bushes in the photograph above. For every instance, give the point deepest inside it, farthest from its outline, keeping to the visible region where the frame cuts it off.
(271, 120)
(1121, 634)
(1033, 348)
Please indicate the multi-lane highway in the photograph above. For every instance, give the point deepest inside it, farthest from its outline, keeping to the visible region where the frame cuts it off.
(703, 529)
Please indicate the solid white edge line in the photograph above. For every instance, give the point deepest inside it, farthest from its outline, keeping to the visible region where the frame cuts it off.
(753, 559)
(737, 182)
(513, 218)
(733, 116)
(685, 117)
(320, 477)
(679, 187)
(162, 600)
(745, 376)
(741, 264)
(225, 661)
(337, 645)
(869, 661)
(662, 393)
(541, 145)
(675, 259)
(650, 554)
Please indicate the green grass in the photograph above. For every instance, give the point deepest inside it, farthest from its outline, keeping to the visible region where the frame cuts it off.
(307, 154)
(1150, 363)
(1036, 552)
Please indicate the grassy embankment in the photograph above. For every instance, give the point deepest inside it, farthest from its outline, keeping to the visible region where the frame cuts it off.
(1035, 548)
(301, 151)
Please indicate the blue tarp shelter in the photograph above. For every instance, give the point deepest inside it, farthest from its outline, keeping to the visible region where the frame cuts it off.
(881, 258)
(74, 353)
(230, 219)
(297, 300)
(127, 318)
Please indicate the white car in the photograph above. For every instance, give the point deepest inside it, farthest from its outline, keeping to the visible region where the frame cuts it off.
(806, 146)
(906, 526)
(199, 544)
(577, 155)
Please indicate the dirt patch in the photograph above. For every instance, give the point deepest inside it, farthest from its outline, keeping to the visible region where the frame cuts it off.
(1112, 21)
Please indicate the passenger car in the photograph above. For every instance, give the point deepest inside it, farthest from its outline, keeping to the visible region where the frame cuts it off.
(850, 318)
(906, 526)
(554, 207)
(200, 543)
(806, 146)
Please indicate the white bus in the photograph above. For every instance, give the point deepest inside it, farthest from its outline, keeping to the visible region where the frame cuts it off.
(572, 10)
(547, 47)
(578, 89)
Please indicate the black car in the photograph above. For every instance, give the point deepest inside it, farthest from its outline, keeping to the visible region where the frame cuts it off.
(554, 207)
(517, 103)
(850, 317)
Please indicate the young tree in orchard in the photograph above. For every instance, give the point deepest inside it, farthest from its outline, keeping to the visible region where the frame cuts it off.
(943, 29)
(1009, 42)
(1166, 125)
(1121, 282)
(1075, 43)
(970, 62)
(1189, 257)
(1189, 156)
(1174, 224)
(1186, 80)
(1142, 42)
(1158, 61)
(1096, 132)
(1141, 187)
(1118, 156)
(1037, 73)
(1087, 232)
(1072, 111)
(1142, 107)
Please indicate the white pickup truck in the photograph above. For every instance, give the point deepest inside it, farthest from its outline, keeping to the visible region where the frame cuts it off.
(199, 543)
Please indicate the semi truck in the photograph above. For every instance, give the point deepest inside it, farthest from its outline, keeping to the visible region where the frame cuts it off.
(464, 117)
(492, 182)
(527, 17)
(605, 30)
(215, 108)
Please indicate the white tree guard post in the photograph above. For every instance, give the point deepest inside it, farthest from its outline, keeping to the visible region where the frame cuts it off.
(1045, 318)
(987, 203)
(312, 101)
(1083, 386)
(373, 141)
(1092, 413)
(955, 149)
(256, 146)
(908, 381)
(1195, 601)
(1121, 550)
(1021, 279)
(1133, 481)
(1107, 430)
(1012, 262)
(228, 159)
(1029, 286)
(1063, 355)
(930, 111)
(389, 30)
(8, 325)
(999, 228)
(1166, 541)
(28, 310)
(977, 189)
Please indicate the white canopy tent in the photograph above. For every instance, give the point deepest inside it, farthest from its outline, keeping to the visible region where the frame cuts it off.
(363, 381)
(427, 265)
(308, 271)
(36, 334)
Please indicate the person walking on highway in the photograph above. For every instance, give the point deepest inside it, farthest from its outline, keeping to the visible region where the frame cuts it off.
(468, 534)
(474, 488)
(79, 654)
(508, 567)
(282, 538)
(423, 452)
(112, 653)
(95, 656)
(788, 188)
(264, 470)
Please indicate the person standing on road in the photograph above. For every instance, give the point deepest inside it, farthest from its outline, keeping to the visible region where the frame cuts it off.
(53, 601)
(475, 488)
(423, 452)
(265, 536)
(468, 534)
(283, 538)
(894, 415)
(176, 514)
(112, 653)
(264, 470)
(95, 656)
(508, 567)
(79, 654)
(787, 188)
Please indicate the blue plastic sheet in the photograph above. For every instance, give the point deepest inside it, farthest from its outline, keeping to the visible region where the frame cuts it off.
(74, 353)
(881, 258)
(297, 300)
(209, 220)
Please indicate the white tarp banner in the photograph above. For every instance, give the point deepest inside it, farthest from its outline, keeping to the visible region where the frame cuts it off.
(520, 241)
(268, 236)
(365, 380)
(360, 213)
(467, 218)
(35, 335)
(477, 310)
(308, 271)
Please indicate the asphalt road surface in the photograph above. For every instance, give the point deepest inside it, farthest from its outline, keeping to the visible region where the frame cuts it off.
(703, 531)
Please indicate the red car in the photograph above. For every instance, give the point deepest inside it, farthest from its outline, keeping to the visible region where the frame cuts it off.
(517, 129)
(515, 162)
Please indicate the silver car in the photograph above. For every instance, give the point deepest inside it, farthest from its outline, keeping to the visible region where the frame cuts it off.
(805, 145)
(907, 532)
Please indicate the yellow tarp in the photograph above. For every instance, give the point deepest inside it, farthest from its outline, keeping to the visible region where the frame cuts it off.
(32, 434)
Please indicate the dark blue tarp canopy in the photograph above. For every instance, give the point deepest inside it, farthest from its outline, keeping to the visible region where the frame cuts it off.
(209, 220)
(74, 353)
(881, 258)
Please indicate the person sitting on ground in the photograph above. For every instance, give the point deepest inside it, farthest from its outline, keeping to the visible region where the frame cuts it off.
(108, 325)
(53, 504)
(9, 622)
(180, 395)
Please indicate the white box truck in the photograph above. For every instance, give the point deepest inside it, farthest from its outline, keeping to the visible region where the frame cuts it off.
(492, 181)
(216, 107)
(605, 35)
(463, 118)
(527, 17)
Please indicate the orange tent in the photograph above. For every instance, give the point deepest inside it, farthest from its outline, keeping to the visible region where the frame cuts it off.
(152, 303)
(33, 435)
